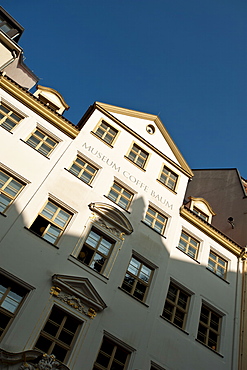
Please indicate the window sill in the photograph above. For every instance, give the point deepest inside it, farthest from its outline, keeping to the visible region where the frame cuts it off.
(88, 269)
(117, 204)
(7, 129)
(103, 141)
(227, 282)
(30, 146)
(78, 178)
(188, 255)
(130, 295)
(182, 330)
(163, 236)
(40, 237)
(212, 350)
(140, 168)
(167, 187)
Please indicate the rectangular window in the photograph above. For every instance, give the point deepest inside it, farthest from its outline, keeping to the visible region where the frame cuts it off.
(201, 214)
(11, 297)
(189, 245)
(209, 328)
(84, 170)
(217, 265)
(106, 132)
(8, 118)
(138, 156)
(96, 250)
(137, 279)
(176, 306)
(58, 335)
(120, 196)
(168, 178)
(51, 222)
(42, 142)
(10, 188)
(155, 220)
(111, 356)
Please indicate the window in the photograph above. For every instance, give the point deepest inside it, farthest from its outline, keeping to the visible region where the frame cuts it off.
(155, 220)
(84, 170)
(188, 245)
(176, 306)
(58, 335)
(209, 328)
(120, 196)
(41, 142)
(217, 265)
(137, 279)
(168, 178)
(8, 118)
(51, 222)
(201, 214)
(106, 132)
(96, 250)
(111, 356)
(138, 156)
(11, 297)
(9, 190)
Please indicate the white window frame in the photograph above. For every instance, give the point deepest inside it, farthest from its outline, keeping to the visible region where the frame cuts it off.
(106, 132)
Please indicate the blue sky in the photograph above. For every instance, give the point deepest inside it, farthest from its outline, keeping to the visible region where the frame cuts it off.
(183, 60)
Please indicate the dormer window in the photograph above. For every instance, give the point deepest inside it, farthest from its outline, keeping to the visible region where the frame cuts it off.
(200, 214)
(201, 208)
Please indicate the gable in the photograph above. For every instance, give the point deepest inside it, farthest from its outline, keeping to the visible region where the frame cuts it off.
(140, 123)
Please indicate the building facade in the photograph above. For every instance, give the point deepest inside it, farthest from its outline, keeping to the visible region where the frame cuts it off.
(103, 263)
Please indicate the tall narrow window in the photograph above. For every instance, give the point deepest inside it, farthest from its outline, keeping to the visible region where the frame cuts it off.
(10, 188)
(209, 328)
(217, 265)
(51, 222)
(58, 335)
(96, 250)
(120, 196)
(106, 132)
(168, 178)
(8, 118)
(111, 356)
(84, 170)
(138, 156)
(42, 142)
(155, 220)
(137, 279)
(11, 297)
(189, 245)
(176, 306)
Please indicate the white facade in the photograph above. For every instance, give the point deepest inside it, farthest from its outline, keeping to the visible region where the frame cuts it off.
(134, 324)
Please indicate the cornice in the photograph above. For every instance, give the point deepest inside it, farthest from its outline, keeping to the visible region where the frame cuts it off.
(38, 107)
(212, 232)
(182, 166)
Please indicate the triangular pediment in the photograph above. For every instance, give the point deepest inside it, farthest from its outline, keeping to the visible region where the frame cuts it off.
(141, 122)
(112, 215)
(80, 288)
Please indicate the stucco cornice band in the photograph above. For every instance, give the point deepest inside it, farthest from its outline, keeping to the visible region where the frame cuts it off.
(211, 232)
(33, 103)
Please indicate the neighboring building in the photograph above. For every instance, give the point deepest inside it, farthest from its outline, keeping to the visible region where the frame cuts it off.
(103, 264)
(11, 54)
(226, 192)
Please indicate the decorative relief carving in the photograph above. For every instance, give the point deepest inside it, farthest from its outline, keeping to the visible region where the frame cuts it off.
(73, 302)
(111, 229)
(48, 362)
